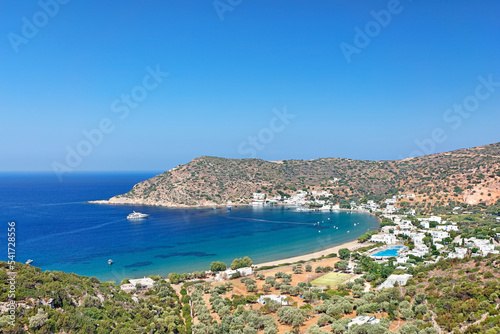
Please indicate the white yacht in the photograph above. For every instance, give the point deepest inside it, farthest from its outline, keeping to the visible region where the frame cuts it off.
(110, 262)
(137, 215)
(30, 261)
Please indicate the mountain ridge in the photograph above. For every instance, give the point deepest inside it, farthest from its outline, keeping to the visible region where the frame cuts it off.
(469, 175)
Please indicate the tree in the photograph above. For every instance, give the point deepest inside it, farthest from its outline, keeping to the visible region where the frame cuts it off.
(291, 316)
(251, 287)
(270, 280)
(344, 253)
(270, 306)
(217, 266)
(241, 263)
(324, 320)
(39, 319)
(341, 265)
(406, 313)
(251, 298)
(174, 278)
(314, 329)
(408, 329)
(308, 268)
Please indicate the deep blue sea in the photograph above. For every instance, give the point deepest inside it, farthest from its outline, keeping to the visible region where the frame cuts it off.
(58, 230)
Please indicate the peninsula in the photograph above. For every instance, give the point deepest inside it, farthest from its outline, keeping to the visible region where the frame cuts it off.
(470, 176)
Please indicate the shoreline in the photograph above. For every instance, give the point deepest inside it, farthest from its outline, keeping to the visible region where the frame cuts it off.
(351, 245)
(221, 206)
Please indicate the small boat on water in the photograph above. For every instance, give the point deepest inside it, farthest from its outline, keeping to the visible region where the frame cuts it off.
(30, 261)
(110, 262)
(137, 215)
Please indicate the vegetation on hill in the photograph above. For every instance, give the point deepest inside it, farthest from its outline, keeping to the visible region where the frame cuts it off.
(463, 176)
(56, 302)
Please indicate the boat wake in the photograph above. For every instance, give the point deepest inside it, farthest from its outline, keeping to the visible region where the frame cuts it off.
(270, 221)
(72, 232)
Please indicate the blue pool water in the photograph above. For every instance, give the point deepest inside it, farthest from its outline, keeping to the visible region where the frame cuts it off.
(389, 252)
(59, 231)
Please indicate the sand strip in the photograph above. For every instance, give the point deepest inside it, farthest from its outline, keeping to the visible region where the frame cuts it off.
(352, 245)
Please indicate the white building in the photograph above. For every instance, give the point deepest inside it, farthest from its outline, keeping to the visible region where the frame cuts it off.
(390, 201)
(459, 253)
(431, 219)
(274, 199)
(393, 279)
(142, 283)
(361, 320)
(438, 236)
(406, 225)
(439, 246)
(447, 228)
(227, 274)
(128, 288)
(279, 299)
(484, 245)
(402, 259)
(389, 239)
(259, 196)
(390, 209)
(299, 198)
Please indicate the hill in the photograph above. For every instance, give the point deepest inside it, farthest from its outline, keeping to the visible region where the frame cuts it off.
(470, 175)
(58, 302)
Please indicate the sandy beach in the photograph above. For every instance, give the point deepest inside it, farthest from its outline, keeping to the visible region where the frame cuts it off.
(352, 245)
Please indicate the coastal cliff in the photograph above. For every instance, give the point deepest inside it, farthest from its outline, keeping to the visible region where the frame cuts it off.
(467, 175)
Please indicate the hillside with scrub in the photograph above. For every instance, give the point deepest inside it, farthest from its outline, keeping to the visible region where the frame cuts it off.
(470, 176)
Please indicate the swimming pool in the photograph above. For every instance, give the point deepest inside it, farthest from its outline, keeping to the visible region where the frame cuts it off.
(390, 252)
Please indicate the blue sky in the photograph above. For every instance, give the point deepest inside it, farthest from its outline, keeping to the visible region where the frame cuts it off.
(228, 78)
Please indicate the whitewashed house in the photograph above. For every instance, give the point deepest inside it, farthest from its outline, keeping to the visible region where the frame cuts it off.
(389, 239)
(361, 320)
(142, 283)
(459, 253)
(447, 228)
(228, 273)
(278, 299)
(393, 279)
(438, 236)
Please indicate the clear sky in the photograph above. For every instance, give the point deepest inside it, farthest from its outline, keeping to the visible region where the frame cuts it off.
(362, 79)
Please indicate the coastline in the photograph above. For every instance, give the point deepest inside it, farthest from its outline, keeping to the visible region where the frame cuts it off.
(351, 245)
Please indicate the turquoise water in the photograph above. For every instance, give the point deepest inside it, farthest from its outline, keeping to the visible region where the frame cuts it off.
(59, 231)
(389, 252)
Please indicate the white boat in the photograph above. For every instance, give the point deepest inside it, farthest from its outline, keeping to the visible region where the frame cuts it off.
(30, 261)
(137, 215)
(110, 262)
